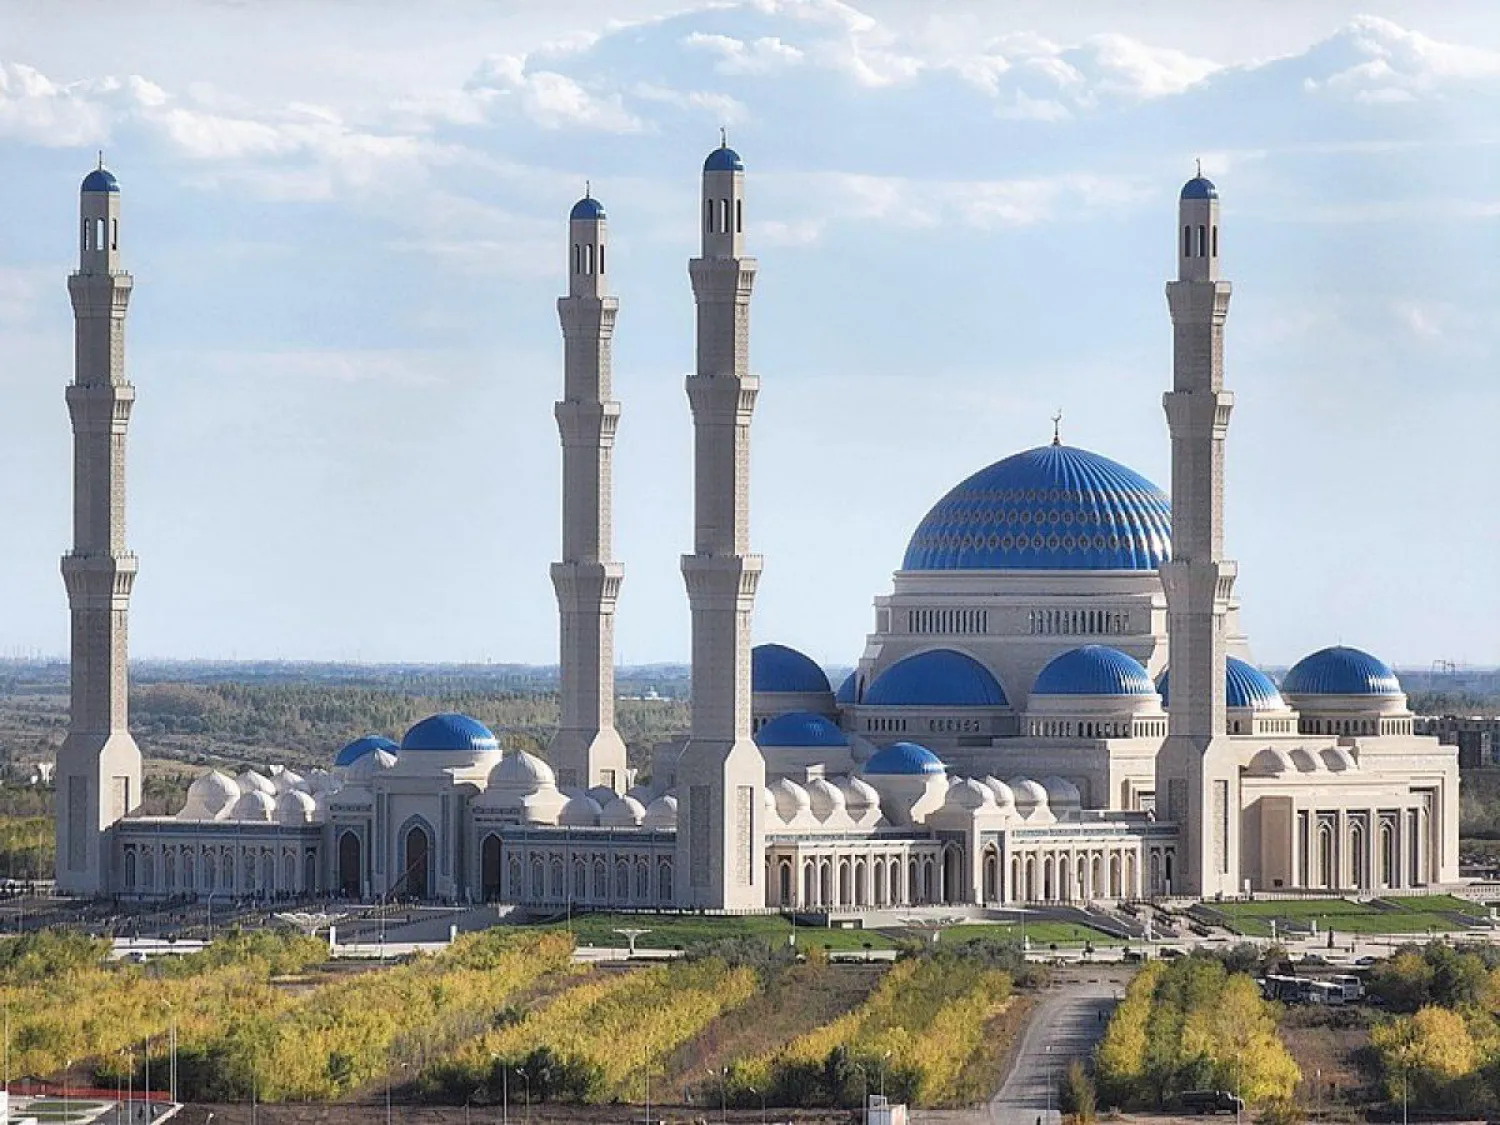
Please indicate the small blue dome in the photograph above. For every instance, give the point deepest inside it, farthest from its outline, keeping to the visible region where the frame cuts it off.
(800, 728)
(723, 159)
(587, 209)
(1199, 187)
(777, 668)
(904, 758)
(450, 733)
(362, 746)
(1050, 508)
(939, 678)
(1245, 685)
(1341, 671)
(100, 179)
(848, 693)
(1093, 670)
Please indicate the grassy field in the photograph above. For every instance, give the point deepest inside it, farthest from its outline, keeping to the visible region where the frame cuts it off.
(669, 932)
(1413, 915)
(1039, 933)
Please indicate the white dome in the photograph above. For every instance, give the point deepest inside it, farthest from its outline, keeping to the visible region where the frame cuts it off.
(210, 797)
(523, 772)
(859, 795)
(791, 799)
(641, 793)
(579, 811)
(622, 812)
(768, 799)
(827, 798)
(1338, 759)
(603, 795)
(252, 782)
(1304, 760)
(1061, 793)
(1271, 760)
(296, 807)
(368, 765)
(969, 794)
(285, 780)
(1030, 796)
(1005, 797)
(320, 781)
(254, 805)
(661, 814)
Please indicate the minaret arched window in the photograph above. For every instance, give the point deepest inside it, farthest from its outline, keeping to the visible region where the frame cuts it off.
(1215, 250)
(99, 234)
(588, 258)
(739, 216)
(1202, 241)
(1187, 242)
(114, 234)
(723, 216)
(577, 258)
(83, 243)
(601, 257)
(708, 216)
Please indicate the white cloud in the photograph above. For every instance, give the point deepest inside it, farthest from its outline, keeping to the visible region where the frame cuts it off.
(549, 99)
(721, 108)
(1379, 62)
(765, 55)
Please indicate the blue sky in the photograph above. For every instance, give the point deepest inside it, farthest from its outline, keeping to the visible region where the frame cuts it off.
(347, 223)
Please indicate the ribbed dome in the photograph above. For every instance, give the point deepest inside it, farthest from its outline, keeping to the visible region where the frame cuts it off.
(296, 807)
(1049, 508)
(210, 796)
(254, 805)
(362, 746)
(252, 781)
(1093, 670)
(1244, 686)
(622, 812)
(523, 772)
(939, 678)
(1341, 671)
(450, 733)
(800, 728)
(777, 668)
(904, 759)
(848, 693)
(587, 209)
(661, 814)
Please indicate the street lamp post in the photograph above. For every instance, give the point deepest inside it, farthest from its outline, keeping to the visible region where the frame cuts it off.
(526, 1078)
(67, 1110)
(504, 1090)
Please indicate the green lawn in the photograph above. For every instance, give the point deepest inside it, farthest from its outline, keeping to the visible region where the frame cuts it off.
(669, 931)
(1414, 915)
(1428, 904)
(1041, 933)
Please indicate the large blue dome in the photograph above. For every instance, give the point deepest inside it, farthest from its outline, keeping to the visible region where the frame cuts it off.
(362, 746)
(1245, 685)
(1341, 671)
(939, 678)
(781, 669)
(904, 759)
(800, 728)
(1050, 508)
(848, 693)
(450, 733)
(1093, 670)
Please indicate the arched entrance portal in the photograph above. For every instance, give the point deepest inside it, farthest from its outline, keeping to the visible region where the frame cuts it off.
(418, 856)
(489, 868)
(350, 865)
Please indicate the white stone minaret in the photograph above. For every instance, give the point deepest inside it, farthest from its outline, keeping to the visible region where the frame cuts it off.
(721, 776)
(1197, 774)
(99, 766)
(587, 750)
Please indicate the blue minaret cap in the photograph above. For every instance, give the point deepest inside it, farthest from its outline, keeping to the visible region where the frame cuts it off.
(101, 179)
(588, 208)
(724, 159)
(1199, 187)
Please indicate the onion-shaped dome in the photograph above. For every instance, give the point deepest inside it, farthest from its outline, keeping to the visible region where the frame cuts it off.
(1305, 761)
(368, 765)
(642, 793)
(940, 677)
(252, 781)
(800, 728)
(768, 799)
(723, 159)
(1005, 796)
(1245, 685)
(968, 794)
(1271, 761)
(1050, 508)
(848, 693)
(791, 799)
(362, 746)
(319, 781)
(100, 179)
(587, 210)
(904, 759)
(1199, 187)
(859, 795)
(826, 797)
(296, 807)
(210, 797)
(1061, 793)
(1336, 759)
(661, 814)
(777, 668)
(603, 795)
(579, 811)
(622, 812)
(450, 733)
(254, 805)
(1341, 671)
(1030, 795)
(522, 772)
(286, 780)
(1093, 670)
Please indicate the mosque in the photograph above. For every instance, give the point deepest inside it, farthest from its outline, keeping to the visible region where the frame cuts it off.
(1057, 702)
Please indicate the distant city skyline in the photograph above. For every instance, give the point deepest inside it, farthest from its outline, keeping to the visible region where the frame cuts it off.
(347, 237)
